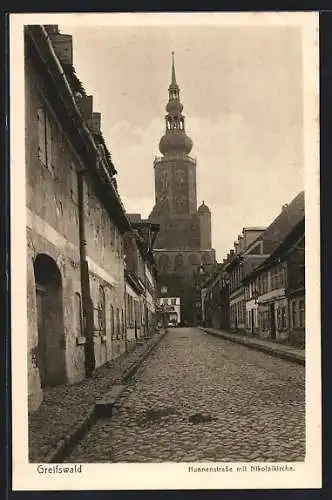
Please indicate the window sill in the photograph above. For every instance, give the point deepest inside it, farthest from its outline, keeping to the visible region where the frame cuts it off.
(80, 340)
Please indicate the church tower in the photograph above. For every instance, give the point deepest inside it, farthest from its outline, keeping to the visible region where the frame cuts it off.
(183, 244)
(175, 172)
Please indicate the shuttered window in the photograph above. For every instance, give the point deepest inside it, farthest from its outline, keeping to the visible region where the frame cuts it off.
(45, 139)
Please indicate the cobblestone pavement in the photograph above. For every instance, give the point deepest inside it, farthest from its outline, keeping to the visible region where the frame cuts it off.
(251, 406)
(64, 406)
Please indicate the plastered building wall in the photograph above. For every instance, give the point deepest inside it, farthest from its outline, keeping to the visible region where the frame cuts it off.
(52, 221)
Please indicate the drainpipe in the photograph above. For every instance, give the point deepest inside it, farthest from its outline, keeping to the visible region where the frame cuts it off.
(87, 305)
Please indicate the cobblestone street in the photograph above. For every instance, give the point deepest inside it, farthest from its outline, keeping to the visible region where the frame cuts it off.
(202, 398)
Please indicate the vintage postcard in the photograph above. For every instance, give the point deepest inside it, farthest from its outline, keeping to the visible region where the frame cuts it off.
(165, 251)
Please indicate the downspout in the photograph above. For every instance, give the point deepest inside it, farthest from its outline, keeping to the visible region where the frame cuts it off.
(146, 299)
(87, 304)
(125, 326)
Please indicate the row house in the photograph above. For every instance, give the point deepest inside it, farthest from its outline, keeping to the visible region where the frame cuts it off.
(248, 251)
(276, 290)
(262, 278)
(169, 311)
(140, 260)
(134, 289)
(265, 288)
(215, 300)
(75, 223)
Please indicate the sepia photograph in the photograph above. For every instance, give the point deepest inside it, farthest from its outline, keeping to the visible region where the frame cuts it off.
(165, 183)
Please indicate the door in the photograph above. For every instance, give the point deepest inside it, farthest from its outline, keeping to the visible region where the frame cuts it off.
(272, 322)
(252, 321)
(50, 322)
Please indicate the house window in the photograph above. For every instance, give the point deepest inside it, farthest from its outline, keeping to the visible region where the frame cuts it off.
(78, 315)
(112, 322)
(282, 277)
(118, 324)
(265, 282)
(294, 315)
(45, 139)
(283, 318)
(133, 313)
(128, 309)
(302, 314)
(298, 313)
(101, 312)
(260, 283)
(123, 324)
(265, 320)
(279, 322)
(173, 302)
(278, 277)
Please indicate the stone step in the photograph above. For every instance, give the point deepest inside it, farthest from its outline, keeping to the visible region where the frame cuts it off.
(104, 406)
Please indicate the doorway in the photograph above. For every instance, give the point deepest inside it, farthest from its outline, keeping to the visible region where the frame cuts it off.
(51, 338)
(252, 322)
(272, 322)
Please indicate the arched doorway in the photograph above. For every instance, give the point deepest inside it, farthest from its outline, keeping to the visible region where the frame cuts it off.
(51, 338)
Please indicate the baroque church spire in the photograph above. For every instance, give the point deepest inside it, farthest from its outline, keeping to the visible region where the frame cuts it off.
(173, 81)
(175, 140)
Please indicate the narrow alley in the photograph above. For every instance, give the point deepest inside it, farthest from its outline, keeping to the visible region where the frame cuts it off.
(202, 398)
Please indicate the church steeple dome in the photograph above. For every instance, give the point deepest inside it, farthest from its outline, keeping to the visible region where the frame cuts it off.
(175, 139)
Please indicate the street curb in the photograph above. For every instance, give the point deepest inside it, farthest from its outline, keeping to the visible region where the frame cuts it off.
(288, 356)
(65, 446)
(130, 372)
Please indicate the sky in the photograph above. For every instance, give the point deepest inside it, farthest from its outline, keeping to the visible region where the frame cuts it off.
(241, 87)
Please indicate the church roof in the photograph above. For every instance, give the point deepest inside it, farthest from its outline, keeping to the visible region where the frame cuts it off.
(203, 209)
(175, 140)
(173, 84)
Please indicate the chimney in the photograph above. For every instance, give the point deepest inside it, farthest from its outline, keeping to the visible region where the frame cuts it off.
(85, 105)
(95, 123)
(63, 46)
(284, 207)
(231, 253)
(236, 247)
(241, 242)
(52, 29)
(134, 217)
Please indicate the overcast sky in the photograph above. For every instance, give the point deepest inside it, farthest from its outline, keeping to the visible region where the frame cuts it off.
(242, 93)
